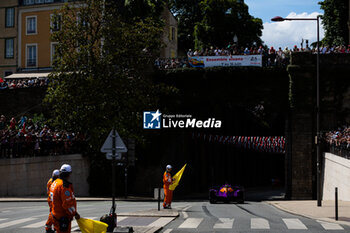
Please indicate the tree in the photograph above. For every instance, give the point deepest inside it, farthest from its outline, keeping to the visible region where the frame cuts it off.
(215, 22)
(100, 71)
(334, 20)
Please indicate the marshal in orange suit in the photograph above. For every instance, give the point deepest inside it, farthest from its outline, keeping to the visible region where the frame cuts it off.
(168, 194)
(64, 204)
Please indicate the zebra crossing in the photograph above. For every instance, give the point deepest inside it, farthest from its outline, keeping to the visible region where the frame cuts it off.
(294, 224)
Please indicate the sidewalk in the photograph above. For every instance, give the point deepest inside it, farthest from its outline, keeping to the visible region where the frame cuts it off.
(310, 209)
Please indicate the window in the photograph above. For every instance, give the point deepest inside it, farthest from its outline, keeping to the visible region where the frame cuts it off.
(172, 33)
(31, 25)
(53, 50)
(28, 2)
(31, 55)
(55, 23)
(10, 17)
(39, 1)
(9, 43)
(47, 1)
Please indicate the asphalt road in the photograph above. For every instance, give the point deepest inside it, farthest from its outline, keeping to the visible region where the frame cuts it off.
(195, 216)
(248, 217)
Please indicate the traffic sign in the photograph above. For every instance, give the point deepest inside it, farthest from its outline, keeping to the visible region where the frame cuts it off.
(118, 156)
(108, 144)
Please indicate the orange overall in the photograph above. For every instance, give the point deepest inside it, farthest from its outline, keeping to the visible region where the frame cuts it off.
(63, 203)
(168, 194)
(49, 221)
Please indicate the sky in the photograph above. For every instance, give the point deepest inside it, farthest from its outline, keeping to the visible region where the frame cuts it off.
(287, 33)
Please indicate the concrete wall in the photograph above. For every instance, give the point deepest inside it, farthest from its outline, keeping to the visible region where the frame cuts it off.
(28, 176)
(336, 174)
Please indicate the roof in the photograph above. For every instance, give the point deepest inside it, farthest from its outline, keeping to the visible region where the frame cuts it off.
(27, 75)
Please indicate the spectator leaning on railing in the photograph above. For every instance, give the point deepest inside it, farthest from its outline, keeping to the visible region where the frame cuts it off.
(22, 83)
(339, 141)
(29, 138)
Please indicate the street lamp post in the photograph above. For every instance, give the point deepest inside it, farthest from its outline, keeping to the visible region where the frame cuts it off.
(317, 139)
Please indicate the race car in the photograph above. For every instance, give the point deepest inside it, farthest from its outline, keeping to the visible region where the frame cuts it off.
(226, 193)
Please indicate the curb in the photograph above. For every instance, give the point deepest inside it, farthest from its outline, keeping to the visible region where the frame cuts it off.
(308, 216)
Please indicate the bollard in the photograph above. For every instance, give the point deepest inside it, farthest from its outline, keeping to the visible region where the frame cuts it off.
(336, 204)
(158, 199)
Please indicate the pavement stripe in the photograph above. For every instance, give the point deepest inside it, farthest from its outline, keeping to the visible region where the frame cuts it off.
(184, 212)
(3, 219)
(259, 223)
(168, 231)
(294, 224)
(191, 223)
(330, 226)
(160, 222)
(36, 225)
(119, 219)
(15, 222)
(224, 223)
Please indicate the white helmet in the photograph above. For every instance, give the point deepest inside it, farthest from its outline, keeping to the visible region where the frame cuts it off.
(66, 168)
(168, 167)
(56, 172)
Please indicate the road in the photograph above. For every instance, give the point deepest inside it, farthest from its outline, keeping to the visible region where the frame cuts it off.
(195, 216)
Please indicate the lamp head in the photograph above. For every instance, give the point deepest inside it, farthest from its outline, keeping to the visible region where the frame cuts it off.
(277, 19)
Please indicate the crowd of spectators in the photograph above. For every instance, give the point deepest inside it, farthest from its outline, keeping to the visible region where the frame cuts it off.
(338, 141)
(270, 56)
(27, 138)
(22, 83)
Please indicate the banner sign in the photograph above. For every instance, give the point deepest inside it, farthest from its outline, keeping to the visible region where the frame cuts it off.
(239, 60)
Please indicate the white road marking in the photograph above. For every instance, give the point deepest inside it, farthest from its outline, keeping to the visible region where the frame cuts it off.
(119, 219)
(15, 222)
(259, 223)
(330, 226)
(184, 212)
(168, 230)
(294, 224)
(36, 225)
(224, 223)
(3, 219)
(160, 222)
(191, 223)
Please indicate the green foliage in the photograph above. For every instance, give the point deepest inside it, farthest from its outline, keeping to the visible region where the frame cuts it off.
(101, 71)
(334, 20)
(203, 23)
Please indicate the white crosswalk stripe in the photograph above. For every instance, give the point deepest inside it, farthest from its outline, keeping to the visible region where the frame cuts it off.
(119, 219)
(168, 230)
(161, 222)
(191, 223)
(3, 219)
(294, 224)
(36, 225)
(330, 226)
(224, 223)
(15, 222)
(259, 223)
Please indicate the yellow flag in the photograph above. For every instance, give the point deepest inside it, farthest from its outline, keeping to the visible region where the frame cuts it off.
(177, 178)
(91, 226)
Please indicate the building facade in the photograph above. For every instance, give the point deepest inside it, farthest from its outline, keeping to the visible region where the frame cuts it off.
(8, 37)
(169, 37)
(36, 23)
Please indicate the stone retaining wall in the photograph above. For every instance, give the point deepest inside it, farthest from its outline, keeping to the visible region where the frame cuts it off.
(28, 176)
